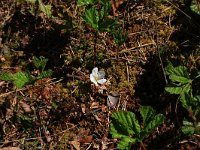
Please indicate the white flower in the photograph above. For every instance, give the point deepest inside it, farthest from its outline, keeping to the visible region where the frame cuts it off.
(97, 77)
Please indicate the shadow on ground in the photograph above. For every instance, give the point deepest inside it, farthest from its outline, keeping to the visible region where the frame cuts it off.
(35, 36)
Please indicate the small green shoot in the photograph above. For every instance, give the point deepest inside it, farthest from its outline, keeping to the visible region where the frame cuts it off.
(195, 6)
(126, 127)
(119, 36)
(20, 79)
(46, 9)
(91, 17)
(40, 62)
(96, 18)
(181, 84)
(180, 79)
(85, 2)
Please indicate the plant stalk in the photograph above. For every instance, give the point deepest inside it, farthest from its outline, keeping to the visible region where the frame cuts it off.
(94, 50)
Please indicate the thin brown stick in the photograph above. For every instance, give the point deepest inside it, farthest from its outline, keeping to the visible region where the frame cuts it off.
(136, 47)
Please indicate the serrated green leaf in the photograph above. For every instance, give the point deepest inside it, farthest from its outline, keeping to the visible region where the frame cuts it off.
(197, 98)
(169, 68)
(106, 25)
(32, 1)
(154, 123)
(40, 62)
(174, 90)
(187, 88)
(187, 128)
(124, 123)
(125, 143)
(147, 114)
(186, 100)
(32, 10)
(118, 130)
(194, 7)
(6, 76)
(177, 78)
(177, 74)
(105, 9)
(21, 79)
(85, 2)
(120, 36)
(91, 17)
(46, 9)
(103, 2)
(178, 89)
(45, 74)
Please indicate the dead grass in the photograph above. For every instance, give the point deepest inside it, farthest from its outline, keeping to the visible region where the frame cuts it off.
(66, 111)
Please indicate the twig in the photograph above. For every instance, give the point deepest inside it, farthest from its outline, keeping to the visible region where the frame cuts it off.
(127, 71)
(178, 9)
(8, 93)
(29, 139)
(20, 90)
(160, 59)
(187, 141)
(133, 48)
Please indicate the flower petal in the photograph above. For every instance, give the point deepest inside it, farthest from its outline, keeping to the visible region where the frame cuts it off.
(101, 74)
(95, 72)
(101, 81)
(92, 79)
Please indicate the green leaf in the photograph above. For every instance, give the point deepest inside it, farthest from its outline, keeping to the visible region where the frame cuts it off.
(174, 90)
(91, 17)
(106, 25)
(46, 9)
(45, 74)
(197, 98)
(147, 114)
(187, 100)
(32, 10)
(187, 128)
(32, 1)
(40, 62)
(85, 2)
(178, 89)
(105, 9)
(178, 74)
(187, 88)
(120, 36)
(180, 79)
(195, 7)
(154, 123)
(125, 143)
(6, 76)
(123, 126)
(126, 120)
(21, 79)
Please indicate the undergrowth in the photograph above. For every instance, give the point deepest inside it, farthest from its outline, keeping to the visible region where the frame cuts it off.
(76, 76)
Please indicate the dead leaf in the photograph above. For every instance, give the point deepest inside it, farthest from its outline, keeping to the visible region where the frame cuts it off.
(75, 144)
(94, 105)
(46, 93)
(47, 135)
(83, 108)
(2, 83)
(25, 106)
(85, 139)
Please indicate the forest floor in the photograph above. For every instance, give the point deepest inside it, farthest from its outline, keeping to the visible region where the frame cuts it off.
(66, 110)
